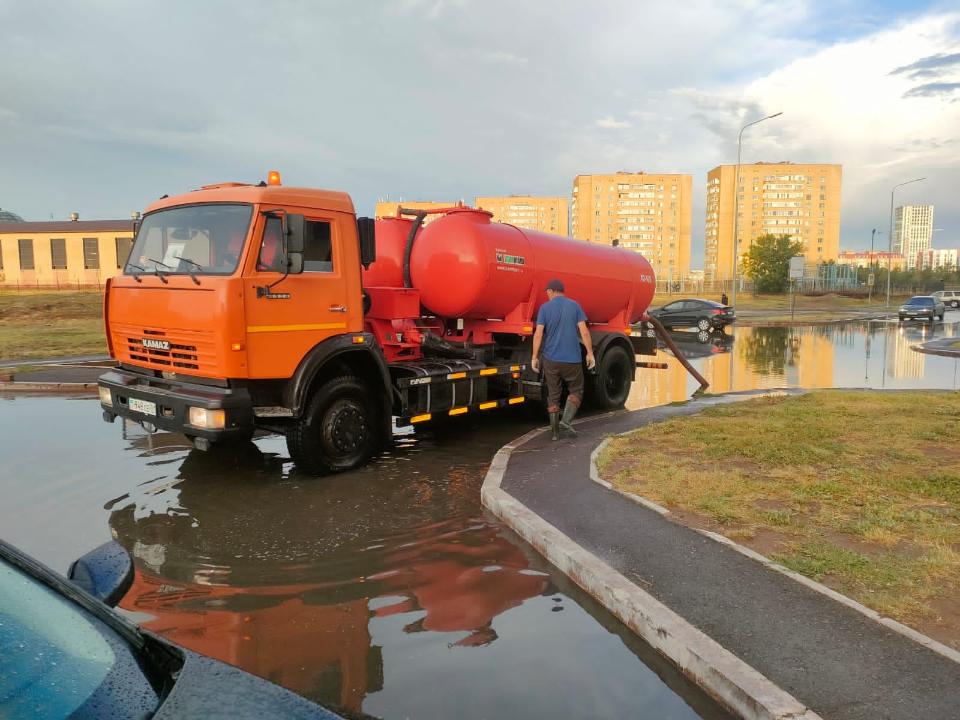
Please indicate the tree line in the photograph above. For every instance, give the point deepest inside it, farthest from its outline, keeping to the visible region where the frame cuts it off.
(767, 263)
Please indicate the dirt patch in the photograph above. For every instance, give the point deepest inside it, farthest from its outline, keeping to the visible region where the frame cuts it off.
(767, 504)
(943, 622)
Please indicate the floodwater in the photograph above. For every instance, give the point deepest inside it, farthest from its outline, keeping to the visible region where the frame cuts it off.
(387, 591)
(876, 354)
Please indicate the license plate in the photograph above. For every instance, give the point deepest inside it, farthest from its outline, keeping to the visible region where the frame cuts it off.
(143, 406)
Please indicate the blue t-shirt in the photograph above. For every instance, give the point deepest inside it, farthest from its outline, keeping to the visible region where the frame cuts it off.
(559, 318)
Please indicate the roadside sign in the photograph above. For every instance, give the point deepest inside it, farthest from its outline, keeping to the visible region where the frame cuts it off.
(870, 278)
(797, 264)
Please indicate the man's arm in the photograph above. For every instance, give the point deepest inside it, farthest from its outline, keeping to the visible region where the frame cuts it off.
(537, 342)
(587, 343)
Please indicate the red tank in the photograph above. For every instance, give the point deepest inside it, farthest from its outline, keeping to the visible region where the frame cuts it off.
(387, 270)
(466, 266)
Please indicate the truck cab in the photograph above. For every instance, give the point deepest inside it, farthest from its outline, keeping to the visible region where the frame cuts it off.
(237, 303)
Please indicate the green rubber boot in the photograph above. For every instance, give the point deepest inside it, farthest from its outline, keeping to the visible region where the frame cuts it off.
(555, 426)
(566, 422)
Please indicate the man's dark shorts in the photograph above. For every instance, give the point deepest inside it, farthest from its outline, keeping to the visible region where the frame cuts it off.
(558, 373)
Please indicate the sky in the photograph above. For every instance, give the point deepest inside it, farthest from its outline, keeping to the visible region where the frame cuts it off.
(107, 105)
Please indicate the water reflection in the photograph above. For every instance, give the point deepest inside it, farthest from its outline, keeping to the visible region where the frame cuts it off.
(867, 354)
(359, 590)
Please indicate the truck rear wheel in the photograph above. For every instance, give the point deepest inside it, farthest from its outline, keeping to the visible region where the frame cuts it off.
(337, 431)
(611, 384)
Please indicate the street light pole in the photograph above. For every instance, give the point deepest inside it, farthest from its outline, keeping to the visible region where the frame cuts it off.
(736, 197)
(890, 238)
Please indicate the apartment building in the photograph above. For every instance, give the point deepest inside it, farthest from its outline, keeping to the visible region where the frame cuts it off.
(798, 200)
(868, 258)
(389, 209)
(912, 231)
(937, 259)
(63, 254)
(649, 213)
(546, 214)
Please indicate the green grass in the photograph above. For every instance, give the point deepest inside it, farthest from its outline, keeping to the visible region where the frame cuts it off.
(858, 489)
(37, 325)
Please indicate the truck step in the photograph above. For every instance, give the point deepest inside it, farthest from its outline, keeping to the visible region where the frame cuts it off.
(272, 411)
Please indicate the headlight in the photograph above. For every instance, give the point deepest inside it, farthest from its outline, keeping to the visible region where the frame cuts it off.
(105, 397)
(208, 419)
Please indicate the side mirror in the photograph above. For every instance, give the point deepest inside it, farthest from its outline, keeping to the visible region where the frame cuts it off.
(105, 572)
(294, 239)
(294, 233)
(366, 230)
(295, 263)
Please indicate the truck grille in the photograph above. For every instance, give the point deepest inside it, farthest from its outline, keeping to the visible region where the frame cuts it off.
(169, 350)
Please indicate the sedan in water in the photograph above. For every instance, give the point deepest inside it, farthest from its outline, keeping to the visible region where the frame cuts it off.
(67, 653)
(922, 307)
(701, 314)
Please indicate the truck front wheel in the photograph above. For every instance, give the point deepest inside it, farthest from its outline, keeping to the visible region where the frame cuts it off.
(338, 430)
(611, 384)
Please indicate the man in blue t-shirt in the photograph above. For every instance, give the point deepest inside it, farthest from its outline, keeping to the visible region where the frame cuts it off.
(564, 324)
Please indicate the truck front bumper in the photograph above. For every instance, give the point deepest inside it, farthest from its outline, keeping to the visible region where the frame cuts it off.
(165, 404)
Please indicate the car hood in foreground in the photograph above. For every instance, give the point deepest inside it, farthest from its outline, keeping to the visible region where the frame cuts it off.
(208, 688)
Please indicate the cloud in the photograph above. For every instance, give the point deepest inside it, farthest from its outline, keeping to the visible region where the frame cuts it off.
(610, 123)
(459, 98)
(935, 89)
(930, 66)
(503, 58)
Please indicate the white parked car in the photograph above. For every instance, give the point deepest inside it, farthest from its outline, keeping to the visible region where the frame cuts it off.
(951, 298)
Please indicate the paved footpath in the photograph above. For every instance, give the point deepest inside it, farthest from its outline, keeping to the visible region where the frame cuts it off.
(838, 662)
(941, 346)
(57, 375)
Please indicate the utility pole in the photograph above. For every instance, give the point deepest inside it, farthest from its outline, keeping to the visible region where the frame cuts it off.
(736, 197)
(890, 254)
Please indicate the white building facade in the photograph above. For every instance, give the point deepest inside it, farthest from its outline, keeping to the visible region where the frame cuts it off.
(937, 259)
(912, 231)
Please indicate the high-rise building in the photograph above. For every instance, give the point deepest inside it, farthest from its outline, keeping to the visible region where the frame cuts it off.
(546, 214)
(912, 231)
(386, 208)
(649, 213)
(798, 200)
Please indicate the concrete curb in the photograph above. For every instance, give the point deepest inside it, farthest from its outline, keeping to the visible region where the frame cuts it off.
(936, 351)
(726, 678)
(888, 622)
(52, 388)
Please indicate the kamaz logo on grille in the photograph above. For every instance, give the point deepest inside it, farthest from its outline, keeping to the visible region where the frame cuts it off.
(155, 344)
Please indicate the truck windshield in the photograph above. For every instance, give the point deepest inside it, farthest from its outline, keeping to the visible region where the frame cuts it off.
(196, 239)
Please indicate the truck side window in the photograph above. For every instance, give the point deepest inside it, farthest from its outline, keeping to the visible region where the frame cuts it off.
(317, 247)
(271, 247)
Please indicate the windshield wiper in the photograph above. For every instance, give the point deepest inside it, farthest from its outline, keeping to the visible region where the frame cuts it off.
(192, 273)
(156, 269)
(135, 276)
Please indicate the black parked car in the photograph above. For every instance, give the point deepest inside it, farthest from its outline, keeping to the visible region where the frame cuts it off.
(702, 343)
(66, 653)
(701, 314)
(922, 307)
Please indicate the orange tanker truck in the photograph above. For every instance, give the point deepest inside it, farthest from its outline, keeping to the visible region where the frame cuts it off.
(264, 306)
